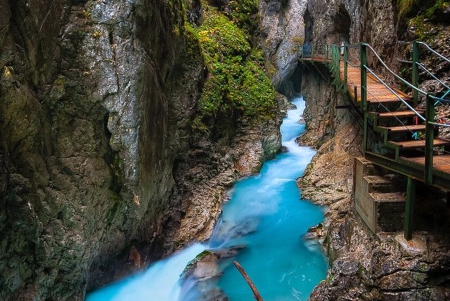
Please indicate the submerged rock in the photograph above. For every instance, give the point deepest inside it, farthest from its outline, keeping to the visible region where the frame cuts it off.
(202, 274)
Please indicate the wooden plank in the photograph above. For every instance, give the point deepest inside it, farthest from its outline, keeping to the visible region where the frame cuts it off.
(400, 114)
(419, 143)
(403, 128)
(376, 91)
(440, 162)
(383, 100)
(444, 168)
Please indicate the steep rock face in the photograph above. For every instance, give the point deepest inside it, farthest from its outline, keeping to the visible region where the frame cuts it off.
(337, 136)
(352, 22)
(282, 27)
(86, 146)
(96, 105)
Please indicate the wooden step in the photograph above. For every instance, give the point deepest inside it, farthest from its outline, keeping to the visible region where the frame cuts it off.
(403, 128)
(418, 143)
(380, 185)
(389, 208)
(385, 99)
(398, 114)
(440, 162)
(390, 197)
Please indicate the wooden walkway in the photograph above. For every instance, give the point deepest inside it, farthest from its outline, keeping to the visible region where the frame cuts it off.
(398, 128)
(397, 136)
(376, 91)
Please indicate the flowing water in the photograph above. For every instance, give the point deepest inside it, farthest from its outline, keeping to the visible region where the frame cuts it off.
(266, 215)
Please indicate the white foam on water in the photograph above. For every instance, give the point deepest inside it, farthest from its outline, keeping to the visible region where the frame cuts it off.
(159, 283)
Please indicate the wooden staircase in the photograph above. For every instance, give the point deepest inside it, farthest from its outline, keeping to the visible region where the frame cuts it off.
(397, 136)
(402, 132)
(390, 114)
(379, 200)
(396, 126)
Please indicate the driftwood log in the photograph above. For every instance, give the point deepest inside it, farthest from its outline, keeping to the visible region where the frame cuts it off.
(249, 281)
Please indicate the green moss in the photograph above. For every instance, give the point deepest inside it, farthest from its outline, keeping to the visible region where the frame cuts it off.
(236, 79)
(197, 258)
(436, 9)
(243, 13)
(405, 7)
(420, 11)
(423, 30)
(116, 201)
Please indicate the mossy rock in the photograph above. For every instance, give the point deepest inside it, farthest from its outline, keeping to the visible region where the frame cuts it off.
(236, 80)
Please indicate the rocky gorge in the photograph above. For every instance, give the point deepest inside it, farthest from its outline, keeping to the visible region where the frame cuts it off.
(113, 154)
(104, 167)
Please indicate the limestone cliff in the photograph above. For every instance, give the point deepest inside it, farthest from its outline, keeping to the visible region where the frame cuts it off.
(99, 160)
(282, 36)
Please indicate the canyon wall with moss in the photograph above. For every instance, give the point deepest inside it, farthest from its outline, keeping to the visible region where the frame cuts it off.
(102, 159)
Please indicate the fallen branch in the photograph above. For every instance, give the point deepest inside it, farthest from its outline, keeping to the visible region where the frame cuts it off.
(249, 281)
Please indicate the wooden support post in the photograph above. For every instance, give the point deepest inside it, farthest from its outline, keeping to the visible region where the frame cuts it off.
(415, 72)
(409, 210)
(336, 62)
(256, 294)
(365, 132)
(429, 138)
(345, 67)
(363, 92)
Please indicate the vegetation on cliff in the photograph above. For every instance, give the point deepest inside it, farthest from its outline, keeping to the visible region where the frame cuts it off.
(421, 18)
(433, 10)
(236, 80)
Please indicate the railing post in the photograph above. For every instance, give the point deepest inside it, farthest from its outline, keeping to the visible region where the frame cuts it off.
(332, 60)
(338, 63)
(345, 67)
(363, 92)
(326, 52)
(335, 58)
(415, 72)
(429, 138)
(409, 209)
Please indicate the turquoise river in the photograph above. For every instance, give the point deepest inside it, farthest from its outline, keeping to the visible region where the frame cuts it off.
(265, 213)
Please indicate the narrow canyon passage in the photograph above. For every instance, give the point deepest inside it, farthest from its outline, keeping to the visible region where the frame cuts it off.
(265, 215)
